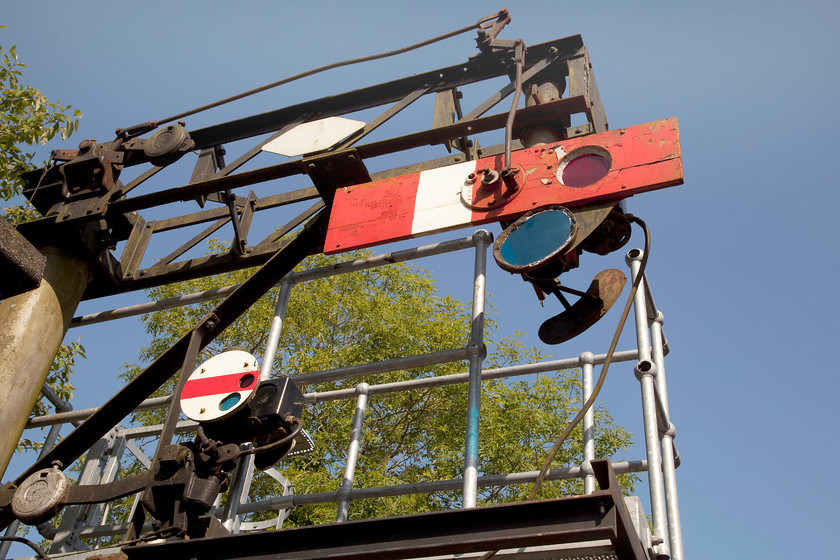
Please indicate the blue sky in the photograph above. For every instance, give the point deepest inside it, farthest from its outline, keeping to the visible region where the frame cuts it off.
(743, 262)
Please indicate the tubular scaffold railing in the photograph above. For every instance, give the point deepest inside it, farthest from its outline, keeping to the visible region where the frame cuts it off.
(102, 462)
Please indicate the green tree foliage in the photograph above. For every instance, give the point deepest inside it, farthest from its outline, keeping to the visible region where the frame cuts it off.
(29, 118)
(408, 437)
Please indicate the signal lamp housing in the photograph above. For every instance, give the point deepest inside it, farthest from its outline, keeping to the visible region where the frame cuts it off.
(537, 239)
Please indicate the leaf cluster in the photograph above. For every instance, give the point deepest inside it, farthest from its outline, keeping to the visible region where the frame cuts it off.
(28, 118)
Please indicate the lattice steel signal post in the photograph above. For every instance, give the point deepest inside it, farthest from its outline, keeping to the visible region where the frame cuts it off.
(557, 190)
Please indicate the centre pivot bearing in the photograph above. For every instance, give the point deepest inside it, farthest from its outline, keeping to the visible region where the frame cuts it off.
(41, 496)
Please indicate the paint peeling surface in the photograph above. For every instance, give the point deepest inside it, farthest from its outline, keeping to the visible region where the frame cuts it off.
(643, 158)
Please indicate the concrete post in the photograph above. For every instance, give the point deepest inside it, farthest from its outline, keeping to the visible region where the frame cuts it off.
(32, 326)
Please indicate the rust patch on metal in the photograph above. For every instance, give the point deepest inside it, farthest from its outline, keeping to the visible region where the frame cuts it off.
(602, 293)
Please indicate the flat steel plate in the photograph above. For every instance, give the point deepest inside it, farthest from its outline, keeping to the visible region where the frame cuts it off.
(604, 291)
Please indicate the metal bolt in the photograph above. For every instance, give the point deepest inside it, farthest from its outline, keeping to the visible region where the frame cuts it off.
(489, 176)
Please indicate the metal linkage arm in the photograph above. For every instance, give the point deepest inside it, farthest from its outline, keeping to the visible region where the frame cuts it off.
(309, 241)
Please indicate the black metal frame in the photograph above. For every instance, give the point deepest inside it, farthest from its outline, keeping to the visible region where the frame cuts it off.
(577, 519)
(96, 222)
(307, 242)
(90, 221)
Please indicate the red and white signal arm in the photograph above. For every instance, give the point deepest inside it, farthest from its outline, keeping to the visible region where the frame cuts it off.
(221, 386)
(573, 173)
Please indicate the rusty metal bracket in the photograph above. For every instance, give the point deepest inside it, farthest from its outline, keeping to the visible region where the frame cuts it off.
(602, 293)
(335, 170)
(486, 40)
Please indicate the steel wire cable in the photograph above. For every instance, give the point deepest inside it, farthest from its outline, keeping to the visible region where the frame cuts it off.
(601, 378)
(28, 543)
(298, 426)
(477, 25)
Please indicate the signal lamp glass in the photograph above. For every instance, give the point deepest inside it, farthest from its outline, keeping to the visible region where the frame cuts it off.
(229, 401)
(584, 169)
(535, 239)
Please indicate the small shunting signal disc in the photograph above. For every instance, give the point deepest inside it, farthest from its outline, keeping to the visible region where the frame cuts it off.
(221, 386)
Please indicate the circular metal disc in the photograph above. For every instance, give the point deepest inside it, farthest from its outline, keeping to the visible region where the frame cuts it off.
(221, 386)
(41, 496)
(480, 196)
(165, 141)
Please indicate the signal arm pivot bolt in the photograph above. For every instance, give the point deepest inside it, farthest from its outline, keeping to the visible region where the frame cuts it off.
(489, 177)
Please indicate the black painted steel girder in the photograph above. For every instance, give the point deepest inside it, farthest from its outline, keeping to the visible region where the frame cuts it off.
(307, 242)
(112, 276)
(478, 68)
(578, 519)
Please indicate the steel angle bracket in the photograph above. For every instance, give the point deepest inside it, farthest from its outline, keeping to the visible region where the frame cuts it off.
(639, 159)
